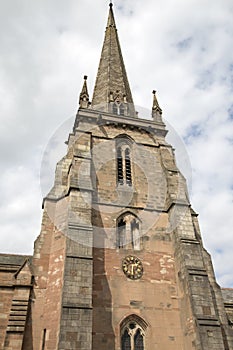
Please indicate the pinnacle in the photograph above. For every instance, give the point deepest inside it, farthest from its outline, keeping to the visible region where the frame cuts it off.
(156, 110)
(155, 101)
(84, 96)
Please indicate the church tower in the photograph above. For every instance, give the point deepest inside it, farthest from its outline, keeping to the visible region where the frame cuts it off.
(119, 263)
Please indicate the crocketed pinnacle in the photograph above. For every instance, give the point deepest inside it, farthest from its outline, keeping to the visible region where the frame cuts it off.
(84, 96)
(112, 83)
(155, 102)
(156, 110)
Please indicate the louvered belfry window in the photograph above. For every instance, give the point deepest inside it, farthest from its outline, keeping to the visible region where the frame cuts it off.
(124, 172)
(128, 167)
(120, 177)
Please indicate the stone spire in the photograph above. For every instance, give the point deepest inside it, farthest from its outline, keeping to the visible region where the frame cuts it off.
(156, 110)
(84, 96)
(112, 91)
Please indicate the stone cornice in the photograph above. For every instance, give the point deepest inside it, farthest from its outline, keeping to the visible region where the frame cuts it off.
(103, 118)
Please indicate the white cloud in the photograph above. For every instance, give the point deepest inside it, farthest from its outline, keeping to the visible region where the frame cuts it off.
(183, 50)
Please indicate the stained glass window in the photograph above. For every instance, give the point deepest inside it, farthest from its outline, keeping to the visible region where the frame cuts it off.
(125, 341)
(132, 337)
(138, 341)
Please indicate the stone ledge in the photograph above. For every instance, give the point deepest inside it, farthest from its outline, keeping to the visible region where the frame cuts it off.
(228, 305)
(78, 307)
(104, 118)
(208, 321)
(79, 257)
(197, 271)
(76, 226)
(15, 329)
(189, 241)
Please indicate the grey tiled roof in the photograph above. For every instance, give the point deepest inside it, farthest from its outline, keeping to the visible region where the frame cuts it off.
(12, 259)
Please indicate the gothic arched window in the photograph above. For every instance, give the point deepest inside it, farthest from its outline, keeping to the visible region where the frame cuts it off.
(133, 333)
(124, 173)
(128, 232)
(121, 233)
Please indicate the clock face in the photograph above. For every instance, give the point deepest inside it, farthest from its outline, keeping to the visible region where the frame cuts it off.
(132, 267)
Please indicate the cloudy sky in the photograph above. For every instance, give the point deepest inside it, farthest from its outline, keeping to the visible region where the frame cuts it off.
(181, 48)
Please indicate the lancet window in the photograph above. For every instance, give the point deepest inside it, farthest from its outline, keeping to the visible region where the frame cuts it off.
(115, 108)
(133, 333)
(128, 232)
(122, 109)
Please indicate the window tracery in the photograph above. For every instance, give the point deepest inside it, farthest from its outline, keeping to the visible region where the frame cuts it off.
(118, 108)
(133, 333)
(118, 103)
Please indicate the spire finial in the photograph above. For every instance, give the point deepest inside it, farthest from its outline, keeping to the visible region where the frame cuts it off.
(111, 4)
